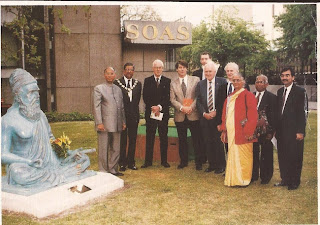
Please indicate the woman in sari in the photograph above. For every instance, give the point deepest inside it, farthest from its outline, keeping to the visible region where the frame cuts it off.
(239, 120)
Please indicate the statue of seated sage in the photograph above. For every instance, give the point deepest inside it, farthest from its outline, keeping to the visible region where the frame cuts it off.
(31, 163)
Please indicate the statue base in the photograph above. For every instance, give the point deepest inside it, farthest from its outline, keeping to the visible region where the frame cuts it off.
(61, 198)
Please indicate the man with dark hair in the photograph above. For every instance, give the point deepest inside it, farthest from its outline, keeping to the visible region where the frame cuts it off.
(156, 96)
(131, 91)
(205, 57)
(290, 130)
(183, 99)
(266, 105)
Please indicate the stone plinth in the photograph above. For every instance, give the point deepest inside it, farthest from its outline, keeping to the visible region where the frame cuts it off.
(61, 198)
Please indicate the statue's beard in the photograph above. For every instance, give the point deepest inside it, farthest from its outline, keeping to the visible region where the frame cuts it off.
(30, 111)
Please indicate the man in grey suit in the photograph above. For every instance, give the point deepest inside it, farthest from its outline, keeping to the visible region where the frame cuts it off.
(110, 121)
(207, 91)
(183, 99)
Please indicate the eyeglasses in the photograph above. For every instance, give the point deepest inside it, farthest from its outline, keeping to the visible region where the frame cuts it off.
(260, 82)
(237, 81)
(129, 70)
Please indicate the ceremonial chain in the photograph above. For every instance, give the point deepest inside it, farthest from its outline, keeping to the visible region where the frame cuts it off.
(128, 89)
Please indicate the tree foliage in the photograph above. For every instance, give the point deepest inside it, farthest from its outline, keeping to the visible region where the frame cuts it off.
(25, 28)
(138, 12)
(299, 28)
(229, 40)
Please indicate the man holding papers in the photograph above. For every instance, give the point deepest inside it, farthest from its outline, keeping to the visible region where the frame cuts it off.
(183, 99)
(156, 96)
(207, 104)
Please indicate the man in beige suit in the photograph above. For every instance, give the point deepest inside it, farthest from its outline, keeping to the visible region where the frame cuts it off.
(183, 99)
(110, 121)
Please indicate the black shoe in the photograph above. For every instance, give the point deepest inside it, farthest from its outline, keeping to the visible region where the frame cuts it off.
(118, 174)
(280, 184)
(198, 167)
(132, 168)
(293, 187)
(253, 180)
(145, 165)
(264, 182)
(122, 168)
(208, 170)
(218, 171)
(181, 166)
(166, 165)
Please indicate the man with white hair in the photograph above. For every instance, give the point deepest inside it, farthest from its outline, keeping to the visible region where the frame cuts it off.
(207, 104)
(156, 96)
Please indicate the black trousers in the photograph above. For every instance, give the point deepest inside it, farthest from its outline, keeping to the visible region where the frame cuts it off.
(290, 156)
(213, 145)
(151, 127)
(182, 129)
(262, 162)
(129, 133)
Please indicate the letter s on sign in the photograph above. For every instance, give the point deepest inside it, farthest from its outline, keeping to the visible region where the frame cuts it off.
(132, 31)
(183, 32)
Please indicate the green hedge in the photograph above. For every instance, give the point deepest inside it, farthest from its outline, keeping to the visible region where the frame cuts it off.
(74, 116)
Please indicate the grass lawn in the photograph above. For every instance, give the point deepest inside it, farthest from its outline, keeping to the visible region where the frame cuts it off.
(169, 196)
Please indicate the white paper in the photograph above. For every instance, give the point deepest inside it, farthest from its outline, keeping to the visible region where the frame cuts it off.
(153, 116)
(274, 142)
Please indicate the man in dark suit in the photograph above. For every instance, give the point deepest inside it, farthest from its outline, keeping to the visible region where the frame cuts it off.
(156, 96)
(290, 130)
(266, 105)
(226, 89)
(206, 92)
(204, 58)
(131, 90)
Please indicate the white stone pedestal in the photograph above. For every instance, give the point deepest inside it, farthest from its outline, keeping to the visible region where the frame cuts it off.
(59, 199)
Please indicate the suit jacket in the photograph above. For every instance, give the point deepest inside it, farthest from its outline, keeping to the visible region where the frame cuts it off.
(108, 107)
(202, 102)
(293, 119)
(176, 98)
(198, 73)
(131, 109)
(153, 96)
(245, 107)
(269, 104)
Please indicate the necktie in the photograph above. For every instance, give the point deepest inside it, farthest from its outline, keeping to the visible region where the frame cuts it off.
(157, 82)
(184, 88)
(283, 99)
(210, 97)
(258, 97)
(128, 84)
(230, 89)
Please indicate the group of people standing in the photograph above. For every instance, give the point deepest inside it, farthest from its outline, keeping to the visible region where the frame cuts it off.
(225, 119)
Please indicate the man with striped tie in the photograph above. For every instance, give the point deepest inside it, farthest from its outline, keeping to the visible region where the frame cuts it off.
(207, 104)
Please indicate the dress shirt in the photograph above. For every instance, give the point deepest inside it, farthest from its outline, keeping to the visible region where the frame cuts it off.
(203, 75)
(286, 97)
(261, 95)
(213, 92)
(126, 80)
(185, 80)
(155, 78)
(229, 83)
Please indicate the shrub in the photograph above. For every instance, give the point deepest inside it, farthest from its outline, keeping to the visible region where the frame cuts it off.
(74, 116)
